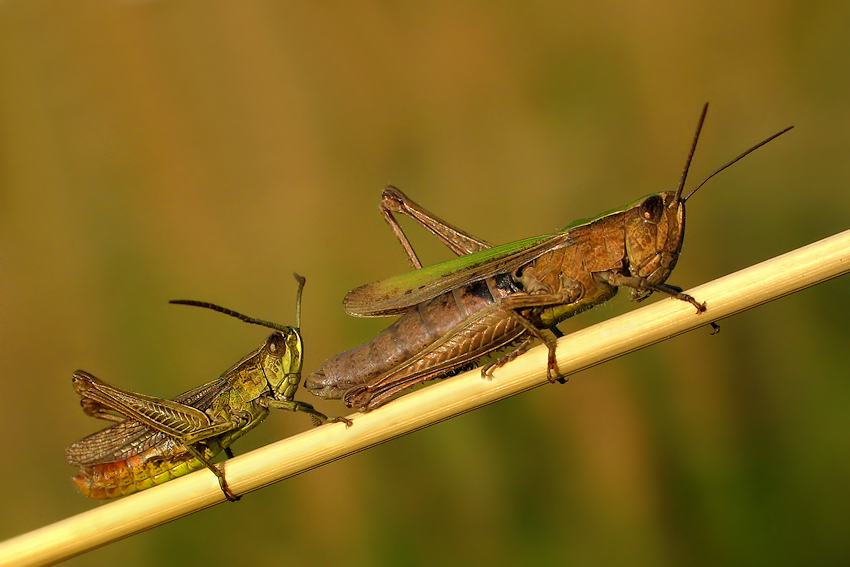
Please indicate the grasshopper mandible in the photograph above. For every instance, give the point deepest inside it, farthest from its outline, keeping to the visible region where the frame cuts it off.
(491, 297)
(155, 440)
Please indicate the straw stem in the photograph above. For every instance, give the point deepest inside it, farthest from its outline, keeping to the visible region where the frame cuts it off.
(666, 318)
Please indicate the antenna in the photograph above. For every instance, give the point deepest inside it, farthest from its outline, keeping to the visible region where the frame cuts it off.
(232, 313)
(253, 320)
(754, 148)
(691, 154)
(301, 281)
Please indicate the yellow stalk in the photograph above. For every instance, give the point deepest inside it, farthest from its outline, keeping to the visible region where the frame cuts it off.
(666, 318)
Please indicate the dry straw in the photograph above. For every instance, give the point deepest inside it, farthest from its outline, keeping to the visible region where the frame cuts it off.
(666, 318)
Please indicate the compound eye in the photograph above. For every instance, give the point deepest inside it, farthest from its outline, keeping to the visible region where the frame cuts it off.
(652, 208)
(275, 342)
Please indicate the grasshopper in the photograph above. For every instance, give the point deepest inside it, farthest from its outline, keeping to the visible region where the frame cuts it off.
(491, 297)
(155, 440)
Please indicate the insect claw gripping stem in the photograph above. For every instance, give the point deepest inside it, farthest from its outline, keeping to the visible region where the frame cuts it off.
(685, 297)
(231, 497)
(338, 419)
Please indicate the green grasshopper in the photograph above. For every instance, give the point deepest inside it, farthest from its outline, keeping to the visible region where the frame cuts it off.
(458, 311)
(155, 440)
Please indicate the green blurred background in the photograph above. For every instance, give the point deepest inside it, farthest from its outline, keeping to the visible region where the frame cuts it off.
(171, 149)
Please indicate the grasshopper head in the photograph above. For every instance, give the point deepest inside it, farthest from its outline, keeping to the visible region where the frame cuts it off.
(655, 228)
(280, 358)
(655, 225)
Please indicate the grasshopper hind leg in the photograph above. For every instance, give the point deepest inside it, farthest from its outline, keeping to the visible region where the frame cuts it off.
(524, 345)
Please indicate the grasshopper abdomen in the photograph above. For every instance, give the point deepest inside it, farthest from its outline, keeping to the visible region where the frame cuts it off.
(416, 340)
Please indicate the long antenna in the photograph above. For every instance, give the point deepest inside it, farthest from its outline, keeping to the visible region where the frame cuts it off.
(232, 313)
(301, 281)
(691, 154)
(754, 148)
(253, 320)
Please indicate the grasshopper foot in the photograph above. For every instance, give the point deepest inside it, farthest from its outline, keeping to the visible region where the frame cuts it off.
(555, 377)
(552, 362)
(222, 482)
(488, 369)
(552, 371)
(685, 297)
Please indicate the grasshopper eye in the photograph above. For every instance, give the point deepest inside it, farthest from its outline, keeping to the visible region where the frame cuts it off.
(274, 342)
(652, 208)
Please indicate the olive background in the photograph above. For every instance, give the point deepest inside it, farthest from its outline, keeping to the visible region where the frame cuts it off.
(206, 150)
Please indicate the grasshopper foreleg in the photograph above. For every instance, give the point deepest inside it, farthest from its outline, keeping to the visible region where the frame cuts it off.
(639, 285)
(293, 405)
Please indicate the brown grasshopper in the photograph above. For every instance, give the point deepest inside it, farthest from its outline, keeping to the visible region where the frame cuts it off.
(155, 440)
(490, 297)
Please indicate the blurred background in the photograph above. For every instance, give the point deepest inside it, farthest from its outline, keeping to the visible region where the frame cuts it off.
(206, 150)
